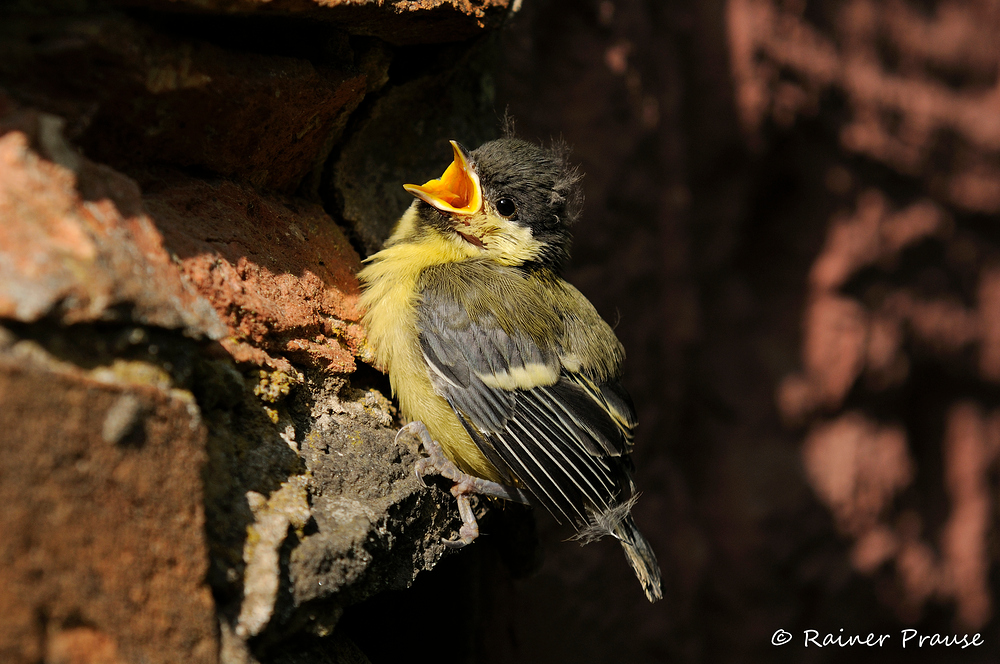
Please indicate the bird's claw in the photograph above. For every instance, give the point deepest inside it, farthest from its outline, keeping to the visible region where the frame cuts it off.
(423, 467)
(470, 527)
(436, 463)
(466, 536)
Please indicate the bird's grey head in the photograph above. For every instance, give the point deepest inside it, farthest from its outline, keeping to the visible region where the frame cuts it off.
(511, 199)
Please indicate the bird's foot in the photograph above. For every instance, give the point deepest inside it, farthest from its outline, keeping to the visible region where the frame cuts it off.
(436, 463)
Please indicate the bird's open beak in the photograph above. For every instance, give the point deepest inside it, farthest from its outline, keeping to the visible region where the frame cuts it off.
(457, 191)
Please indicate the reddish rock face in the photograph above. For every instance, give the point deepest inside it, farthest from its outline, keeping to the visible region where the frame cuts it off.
(132, 96)
(400, 22)
(279, 272)
(71, 253)
(178, 345)
(103, 557)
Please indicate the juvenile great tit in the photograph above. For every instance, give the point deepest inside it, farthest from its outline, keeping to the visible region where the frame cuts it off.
(509, 367)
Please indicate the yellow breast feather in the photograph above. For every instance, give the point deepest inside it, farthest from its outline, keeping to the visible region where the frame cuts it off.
(389, 301)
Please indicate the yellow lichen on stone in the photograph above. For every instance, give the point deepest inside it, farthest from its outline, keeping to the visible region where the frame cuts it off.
(378, 406)
(134, 372)
(292, 500)
(274, 386)
(272, 414)
(289, 505)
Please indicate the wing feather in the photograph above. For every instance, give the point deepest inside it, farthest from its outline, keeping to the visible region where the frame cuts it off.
(545, 481)
(584, 448)
(580, 467)
(558, 432)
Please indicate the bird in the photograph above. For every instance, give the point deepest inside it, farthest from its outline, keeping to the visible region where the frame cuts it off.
(505, 371)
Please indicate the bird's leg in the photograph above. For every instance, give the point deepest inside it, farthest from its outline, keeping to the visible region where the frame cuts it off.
(436, 463)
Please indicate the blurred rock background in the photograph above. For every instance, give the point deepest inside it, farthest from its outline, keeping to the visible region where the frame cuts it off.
(791, 221)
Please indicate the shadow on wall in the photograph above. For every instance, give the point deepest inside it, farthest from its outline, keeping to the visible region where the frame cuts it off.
(900, 332)
(790, 218)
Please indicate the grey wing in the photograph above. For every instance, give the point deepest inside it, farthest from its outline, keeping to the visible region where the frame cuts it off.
(550, 430)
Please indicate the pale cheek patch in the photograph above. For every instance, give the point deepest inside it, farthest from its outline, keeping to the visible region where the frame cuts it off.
(506, 242)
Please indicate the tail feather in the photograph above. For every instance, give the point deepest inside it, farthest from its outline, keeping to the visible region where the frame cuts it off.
(640, 556)
(618, 522)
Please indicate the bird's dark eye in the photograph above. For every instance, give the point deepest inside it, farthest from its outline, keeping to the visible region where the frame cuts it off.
(506, 207)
